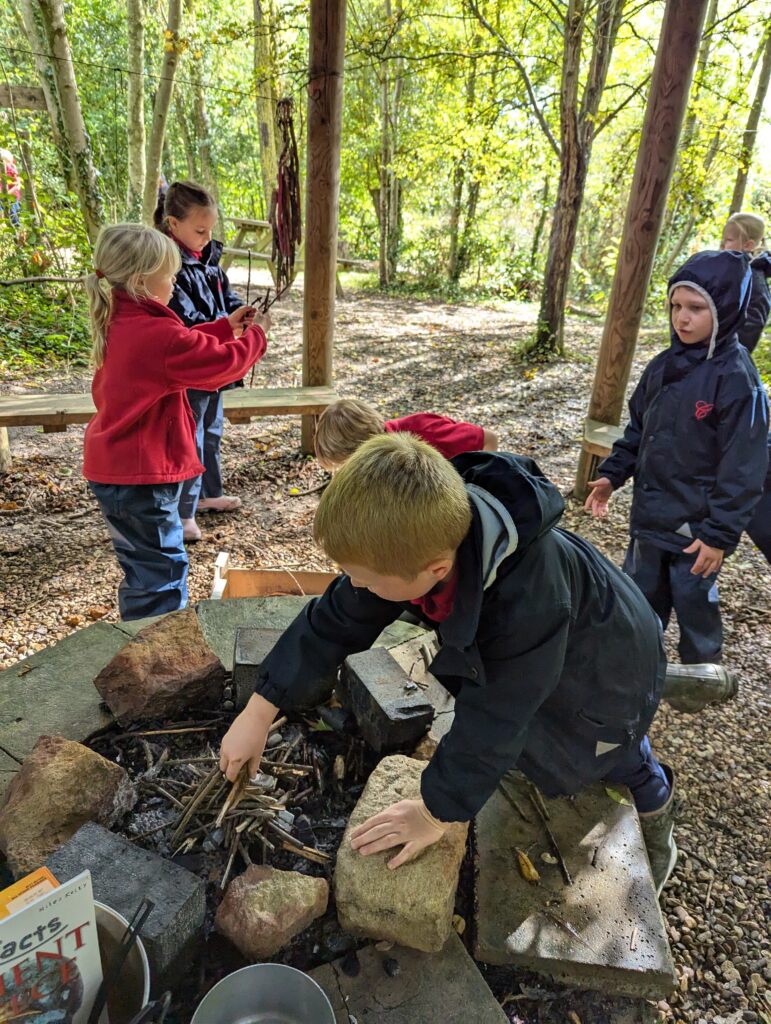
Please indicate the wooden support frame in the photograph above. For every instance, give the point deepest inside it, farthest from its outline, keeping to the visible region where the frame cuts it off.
(670, 84)
(325, 115)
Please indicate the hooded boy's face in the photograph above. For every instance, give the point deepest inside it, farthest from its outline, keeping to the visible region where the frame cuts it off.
(691, 316)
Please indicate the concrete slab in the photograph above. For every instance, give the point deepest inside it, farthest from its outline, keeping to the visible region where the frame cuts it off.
(251, 648)
(220, 619)
(122, 874)
(618, 944)
(399, 632)
(404, 986)
(52, 691)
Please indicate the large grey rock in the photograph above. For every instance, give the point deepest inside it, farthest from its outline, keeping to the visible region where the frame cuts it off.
(165, 670)
(60, 786)
(413, 904)
(621, 946)
(253, 644)
(264, 908)
(404, 986)
(122, 874)
(9, 766)
(52, 691)
(390, 709)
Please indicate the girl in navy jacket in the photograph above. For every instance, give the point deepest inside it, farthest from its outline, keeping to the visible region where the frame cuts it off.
(202, 293)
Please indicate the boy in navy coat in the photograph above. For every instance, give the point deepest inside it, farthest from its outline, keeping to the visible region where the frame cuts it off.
(696, 445)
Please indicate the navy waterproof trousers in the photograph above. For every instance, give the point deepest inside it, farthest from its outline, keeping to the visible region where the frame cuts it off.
(146, 532)
(209, 424)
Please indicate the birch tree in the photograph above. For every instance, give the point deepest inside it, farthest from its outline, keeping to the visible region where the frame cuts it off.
(135, 107)
(171, 53)
(751, 130)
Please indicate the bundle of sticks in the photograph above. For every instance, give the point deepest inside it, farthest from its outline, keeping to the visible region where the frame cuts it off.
(234, 815)
(284, 214)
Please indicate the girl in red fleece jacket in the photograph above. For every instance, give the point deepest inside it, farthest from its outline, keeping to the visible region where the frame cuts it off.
(140, 445)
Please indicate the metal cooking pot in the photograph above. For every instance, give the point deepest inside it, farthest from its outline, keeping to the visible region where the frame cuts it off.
(132, 989)
(265, 994)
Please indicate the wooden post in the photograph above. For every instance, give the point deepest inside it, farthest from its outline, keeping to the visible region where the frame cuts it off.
(667, 100)
(325, 115)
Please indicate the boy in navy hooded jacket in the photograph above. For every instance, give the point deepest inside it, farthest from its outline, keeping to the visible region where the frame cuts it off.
(696, 447)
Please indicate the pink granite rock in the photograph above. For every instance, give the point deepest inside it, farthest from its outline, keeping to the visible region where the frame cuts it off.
(263, 909)
(165, 670)
(60, 787)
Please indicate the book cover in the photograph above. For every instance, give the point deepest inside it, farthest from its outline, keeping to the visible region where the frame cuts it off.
(26, 891)
(50, 968)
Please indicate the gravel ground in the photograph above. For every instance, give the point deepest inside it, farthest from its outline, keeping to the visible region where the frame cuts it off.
(57, 572)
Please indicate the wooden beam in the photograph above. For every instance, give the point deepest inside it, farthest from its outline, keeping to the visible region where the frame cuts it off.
(325, 114)
(670, 84)
(22, 97)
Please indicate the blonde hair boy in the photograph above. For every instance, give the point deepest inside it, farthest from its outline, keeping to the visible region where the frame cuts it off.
(396, 505)
(343, 426)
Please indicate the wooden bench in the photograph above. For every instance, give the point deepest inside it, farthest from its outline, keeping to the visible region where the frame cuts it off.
(599, 438)
(55, 413)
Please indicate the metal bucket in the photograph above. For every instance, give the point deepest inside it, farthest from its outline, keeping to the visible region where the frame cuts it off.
(265, 994)
(132, 989)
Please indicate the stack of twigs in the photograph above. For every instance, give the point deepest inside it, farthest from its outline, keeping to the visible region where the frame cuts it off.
(233, 816)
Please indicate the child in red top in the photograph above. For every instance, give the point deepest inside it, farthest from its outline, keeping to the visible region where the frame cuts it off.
(346, 424)
(140, 445)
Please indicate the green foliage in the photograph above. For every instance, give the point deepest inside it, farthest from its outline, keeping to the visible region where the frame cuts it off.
(478, 175)
(42, 329)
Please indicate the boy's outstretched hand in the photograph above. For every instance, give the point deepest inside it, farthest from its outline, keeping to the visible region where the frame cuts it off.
(708, 560)
(599, 496)
(408, 823)
(244, 741)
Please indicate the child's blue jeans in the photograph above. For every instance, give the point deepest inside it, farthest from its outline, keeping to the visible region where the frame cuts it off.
(146, 532)
(642, 773)
(209, 424)
(666, 580)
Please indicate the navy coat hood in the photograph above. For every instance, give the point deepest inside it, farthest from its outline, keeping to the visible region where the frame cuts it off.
(724, 279)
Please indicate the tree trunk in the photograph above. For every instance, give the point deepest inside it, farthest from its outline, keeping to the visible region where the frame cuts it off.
(161, 110)
(36, 38)
(464, 249)
(540, 224)
(322, 182)
(577, 128)
(78, 142)
(458, 179)
(30, 192)
(751, 130)
(135, 107)
(188, 139)
(665, 109)
(265, 103)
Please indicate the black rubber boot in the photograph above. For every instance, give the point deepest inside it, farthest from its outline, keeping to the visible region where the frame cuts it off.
(658, 833)
(694, 687)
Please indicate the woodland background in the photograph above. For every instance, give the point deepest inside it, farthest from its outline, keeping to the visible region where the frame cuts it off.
(473, 131)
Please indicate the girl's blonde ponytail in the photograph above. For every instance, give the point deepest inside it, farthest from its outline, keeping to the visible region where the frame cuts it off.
(99, 308)
(123, 255)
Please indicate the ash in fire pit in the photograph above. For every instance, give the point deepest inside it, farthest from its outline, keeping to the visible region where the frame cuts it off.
(291, 816)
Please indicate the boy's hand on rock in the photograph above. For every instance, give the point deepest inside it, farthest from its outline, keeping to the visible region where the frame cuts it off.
(599, 496)
(244, 741)
(407, 823)
(708, 560)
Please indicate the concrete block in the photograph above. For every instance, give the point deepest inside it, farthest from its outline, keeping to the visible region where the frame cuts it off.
(252, 646)
(404, 986)
(53, 690)
(620, 945)
(220, 619)
(390, 709)
(122, 874)
(399, 632)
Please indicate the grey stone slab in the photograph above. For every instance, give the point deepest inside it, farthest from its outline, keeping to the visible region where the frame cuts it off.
(123, 874)
(220, 619)
(391, 710)
(134, 626)
(621, 947)
(399, 632)
(252, 646)
(429, 988)
(52, 691)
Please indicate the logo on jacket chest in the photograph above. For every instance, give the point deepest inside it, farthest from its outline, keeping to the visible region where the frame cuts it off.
(703, 409)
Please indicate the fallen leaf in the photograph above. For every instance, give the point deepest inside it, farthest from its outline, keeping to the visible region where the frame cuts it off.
(97, 612)
(458, 923)
(527, 868)
(618, 796)
(321, 726)
(74, 620)
(9, 506)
